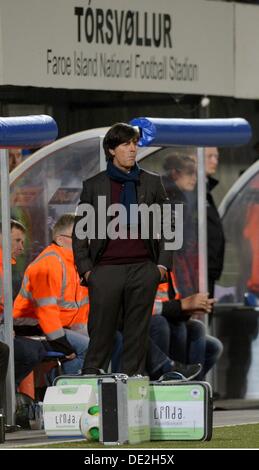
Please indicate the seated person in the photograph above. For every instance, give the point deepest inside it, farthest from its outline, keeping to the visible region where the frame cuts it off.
(177, 334)
(27, 353)
(186, 343)
(52, 297)
(158, 362)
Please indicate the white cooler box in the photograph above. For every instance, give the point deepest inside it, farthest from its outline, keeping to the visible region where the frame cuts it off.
(63, 407)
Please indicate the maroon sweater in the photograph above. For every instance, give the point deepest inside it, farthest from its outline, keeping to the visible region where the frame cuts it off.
(123, 251)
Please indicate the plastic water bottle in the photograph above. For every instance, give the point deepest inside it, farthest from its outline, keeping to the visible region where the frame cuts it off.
(36, 416)
(39, 415)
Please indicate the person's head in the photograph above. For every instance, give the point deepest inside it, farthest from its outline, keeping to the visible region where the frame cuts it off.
(15, 158)
(211, 160)
(120, 145)
(18, 232)
(62, 230)
(182, 170)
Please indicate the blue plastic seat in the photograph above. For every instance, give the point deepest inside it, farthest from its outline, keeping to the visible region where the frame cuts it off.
(251, 299)
(56, 356)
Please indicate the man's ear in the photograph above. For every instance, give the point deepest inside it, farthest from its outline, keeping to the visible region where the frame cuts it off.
(57, 240)
(112, 152)
(174, 174)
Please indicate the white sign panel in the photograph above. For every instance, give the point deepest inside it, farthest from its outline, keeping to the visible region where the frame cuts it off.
(172, 46)
(247, 46)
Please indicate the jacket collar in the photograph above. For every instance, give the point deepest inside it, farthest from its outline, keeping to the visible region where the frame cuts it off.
(211, 183)
(65, 252)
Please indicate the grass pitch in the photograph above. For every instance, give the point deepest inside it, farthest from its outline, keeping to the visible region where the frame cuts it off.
(228, 437)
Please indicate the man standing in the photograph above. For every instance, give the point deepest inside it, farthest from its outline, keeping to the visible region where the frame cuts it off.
(216, 239)
(122, 273)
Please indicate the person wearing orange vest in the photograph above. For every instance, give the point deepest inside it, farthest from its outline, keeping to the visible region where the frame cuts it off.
(52, 297)
(27, 353)
(178, 335)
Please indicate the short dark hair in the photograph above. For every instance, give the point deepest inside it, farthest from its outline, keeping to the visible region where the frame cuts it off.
(63, 223)
(16, 224)
(119, 133)
(179, 163)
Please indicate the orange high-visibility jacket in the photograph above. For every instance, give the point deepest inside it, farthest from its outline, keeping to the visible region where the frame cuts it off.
(162, 294)
(251, 233)
(52, 294)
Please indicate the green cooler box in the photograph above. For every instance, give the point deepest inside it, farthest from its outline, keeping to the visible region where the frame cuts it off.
(180, 411)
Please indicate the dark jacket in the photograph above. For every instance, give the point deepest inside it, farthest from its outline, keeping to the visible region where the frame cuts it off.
(149, 191)
(188, 200)
(216, 239)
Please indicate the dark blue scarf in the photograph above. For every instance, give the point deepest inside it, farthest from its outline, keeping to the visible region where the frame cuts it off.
(129, 180)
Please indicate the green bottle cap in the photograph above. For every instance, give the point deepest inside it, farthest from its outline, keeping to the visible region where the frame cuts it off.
(93, 410)
(94, 433)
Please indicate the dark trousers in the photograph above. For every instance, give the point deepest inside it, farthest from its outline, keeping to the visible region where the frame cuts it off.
(120, 292)
(4, 357)
(157, 361)
(27, 354)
